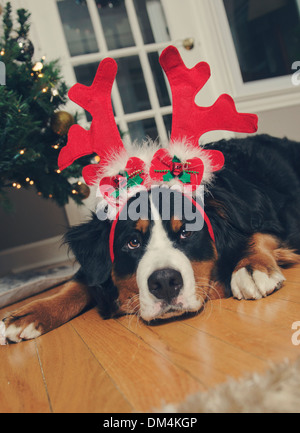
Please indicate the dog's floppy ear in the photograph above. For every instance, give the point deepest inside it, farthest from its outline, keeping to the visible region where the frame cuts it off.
(89, 243)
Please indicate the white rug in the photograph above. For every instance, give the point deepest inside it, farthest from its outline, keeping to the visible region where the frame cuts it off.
(276, 391)
(15, 287)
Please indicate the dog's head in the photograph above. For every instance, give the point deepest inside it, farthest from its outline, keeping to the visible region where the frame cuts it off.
(164, 258)
(156, 266)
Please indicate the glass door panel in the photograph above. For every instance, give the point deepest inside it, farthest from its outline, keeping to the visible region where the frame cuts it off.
(123, 29)
(85, 73)
(168, 123)
(266, 35)
(131, 85)
(116, 26)
(141, 129)
(152, 21)
(159, 80)
(78, 28)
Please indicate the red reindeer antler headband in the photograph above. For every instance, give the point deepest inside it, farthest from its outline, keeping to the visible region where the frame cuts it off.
(182, 162)
(189, 120)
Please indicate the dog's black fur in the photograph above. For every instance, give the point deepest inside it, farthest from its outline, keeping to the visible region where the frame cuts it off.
(257, 191)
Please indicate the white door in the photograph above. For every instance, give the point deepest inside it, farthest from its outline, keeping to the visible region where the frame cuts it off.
(134, 32)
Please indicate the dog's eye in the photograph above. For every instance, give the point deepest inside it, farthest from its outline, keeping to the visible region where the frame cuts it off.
(184, 234)
(134, 244)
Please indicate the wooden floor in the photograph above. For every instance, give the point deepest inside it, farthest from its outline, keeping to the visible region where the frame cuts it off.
(91, 365)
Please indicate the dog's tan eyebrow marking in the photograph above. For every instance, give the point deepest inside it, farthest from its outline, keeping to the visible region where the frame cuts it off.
(176, 224)
(142, 225)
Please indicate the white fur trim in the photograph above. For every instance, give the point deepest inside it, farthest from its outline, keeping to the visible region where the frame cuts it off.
(117, 162)
(145, 151)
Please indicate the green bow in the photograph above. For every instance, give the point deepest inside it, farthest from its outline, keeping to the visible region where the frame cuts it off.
(133, 181)
(185, 177)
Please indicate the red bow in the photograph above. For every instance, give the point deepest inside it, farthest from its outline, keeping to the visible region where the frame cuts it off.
(165, 168)
(133, 175)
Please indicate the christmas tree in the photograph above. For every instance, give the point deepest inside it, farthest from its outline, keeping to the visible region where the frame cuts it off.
(33, 124)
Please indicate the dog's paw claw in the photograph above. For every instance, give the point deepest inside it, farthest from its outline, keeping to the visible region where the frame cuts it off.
(16, 334)
(255, 285)
(2, 333)
(22, 324)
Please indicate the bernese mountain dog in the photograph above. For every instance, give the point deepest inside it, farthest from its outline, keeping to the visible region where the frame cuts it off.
(162, 268)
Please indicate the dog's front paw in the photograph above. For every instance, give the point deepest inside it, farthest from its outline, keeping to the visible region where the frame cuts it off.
(26, 323)
(248, 284)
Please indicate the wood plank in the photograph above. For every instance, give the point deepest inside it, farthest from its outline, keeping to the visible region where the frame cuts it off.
(22, 389)
(289, 292)
(269, 341)
(76, 382)
(271, 309)
(146, 378)
(292, 274)
(197, 352)
(181, 347)
(291, 288)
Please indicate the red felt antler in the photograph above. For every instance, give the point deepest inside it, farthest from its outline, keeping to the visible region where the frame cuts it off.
(103, 137)
(189, 120)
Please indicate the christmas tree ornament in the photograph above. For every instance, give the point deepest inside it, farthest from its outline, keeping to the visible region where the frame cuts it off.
(26, 49)
(82, 189)
(54, 93)
(61, 122)
(122, 172)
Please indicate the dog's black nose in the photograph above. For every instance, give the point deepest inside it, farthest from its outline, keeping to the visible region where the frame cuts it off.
(165, 284)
